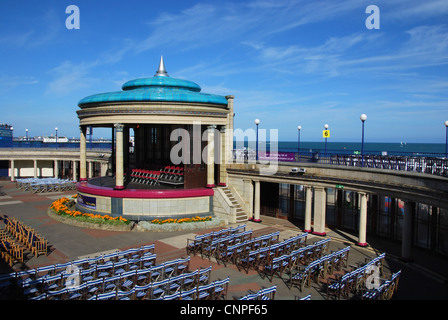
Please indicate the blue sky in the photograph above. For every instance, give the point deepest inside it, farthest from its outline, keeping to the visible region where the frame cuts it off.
(287, 63)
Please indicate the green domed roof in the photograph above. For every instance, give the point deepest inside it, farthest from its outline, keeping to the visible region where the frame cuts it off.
(159, 88)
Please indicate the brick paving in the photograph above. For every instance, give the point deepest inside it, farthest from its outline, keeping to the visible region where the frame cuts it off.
(418, 281)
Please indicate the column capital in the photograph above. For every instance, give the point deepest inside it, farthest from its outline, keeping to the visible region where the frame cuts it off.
(211, 127)
(119, 127)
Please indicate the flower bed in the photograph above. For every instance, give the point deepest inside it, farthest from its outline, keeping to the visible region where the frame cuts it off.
(183, 220)
(62, 207)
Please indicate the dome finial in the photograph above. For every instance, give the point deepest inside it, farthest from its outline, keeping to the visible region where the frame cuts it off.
(161, 72)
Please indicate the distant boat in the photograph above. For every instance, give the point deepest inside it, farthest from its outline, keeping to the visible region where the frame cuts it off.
(53, 139)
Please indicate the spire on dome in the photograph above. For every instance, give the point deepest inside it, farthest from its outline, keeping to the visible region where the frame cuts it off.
(161, 72)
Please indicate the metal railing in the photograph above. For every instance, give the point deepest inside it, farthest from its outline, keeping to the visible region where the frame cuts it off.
(437, 165)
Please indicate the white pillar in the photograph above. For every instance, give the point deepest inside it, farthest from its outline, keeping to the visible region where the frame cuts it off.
(35, 168)
(223, 159)
(257, 202)
(406, 240)
(90, 169)
(211, 156)
(75, 170)
(119, 165)
(248, 194)
(308, 206)
(320, 203)
(362, 219)
(83, 154)
(12, 171)
(56, 169)
(103, 169)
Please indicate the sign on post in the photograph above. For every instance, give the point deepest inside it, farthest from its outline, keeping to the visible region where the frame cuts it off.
(326, 133)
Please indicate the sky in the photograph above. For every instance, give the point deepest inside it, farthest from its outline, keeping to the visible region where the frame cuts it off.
(287, 63)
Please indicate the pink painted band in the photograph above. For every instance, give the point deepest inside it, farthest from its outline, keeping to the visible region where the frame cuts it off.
(362, 244)
(142, 193)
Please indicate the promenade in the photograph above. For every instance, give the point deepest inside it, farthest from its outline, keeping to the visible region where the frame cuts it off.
(422, 279)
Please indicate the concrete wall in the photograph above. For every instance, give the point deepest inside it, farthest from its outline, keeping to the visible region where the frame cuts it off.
(222, 207)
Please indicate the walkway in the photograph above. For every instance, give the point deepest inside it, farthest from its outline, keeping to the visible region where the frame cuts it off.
(70, 242)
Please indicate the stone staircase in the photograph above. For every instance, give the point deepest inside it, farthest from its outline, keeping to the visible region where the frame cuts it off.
(241, 216)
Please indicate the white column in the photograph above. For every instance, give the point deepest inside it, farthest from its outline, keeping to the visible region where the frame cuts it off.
(12, 171)
(56, 169)
(320, 203)
(308, 206)
(75, 170)
(119, 164)
(35, 168)
(257, 202)
(223, 160)
(211, 156)
(83, 154)
(90, 169)
(103, 169)
(248, 194)
(362, 219)
(229, 129)
(406, 240)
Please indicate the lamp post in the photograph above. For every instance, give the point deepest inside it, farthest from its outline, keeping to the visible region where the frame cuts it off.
(363, 119)
(326, 128)
(56, 137)
(298, 143)
(446, 139)
(257, 122)
(12, 137)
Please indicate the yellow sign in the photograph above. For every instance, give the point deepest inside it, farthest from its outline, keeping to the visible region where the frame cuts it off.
(326, 133)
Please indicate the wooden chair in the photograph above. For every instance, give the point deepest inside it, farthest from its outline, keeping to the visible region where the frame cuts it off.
(267, 293)
(205, 292)
(143, 292)
(300, 278)
(219, 291)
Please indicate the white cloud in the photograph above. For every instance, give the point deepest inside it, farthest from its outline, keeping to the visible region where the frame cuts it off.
(69, 77)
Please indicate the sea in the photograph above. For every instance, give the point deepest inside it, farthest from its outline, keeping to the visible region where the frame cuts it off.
(374, 148)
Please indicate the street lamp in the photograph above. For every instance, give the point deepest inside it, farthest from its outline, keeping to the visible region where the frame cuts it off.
(363, 119)
(446, 139)
(257, 122)
(56, 137)
(298, 143)
(326, 128)
(12, 136)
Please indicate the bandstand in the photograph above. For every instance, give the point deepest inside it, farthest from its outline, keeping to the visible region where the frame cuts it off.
(182, 139)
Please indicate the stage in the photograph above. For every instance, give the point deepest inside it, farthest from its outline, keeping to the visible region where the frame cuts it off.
(141, 201)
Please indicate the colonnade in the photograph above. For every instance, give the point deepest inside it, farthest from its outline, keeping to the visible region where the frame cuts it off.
(315, 210)
(88, 169)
